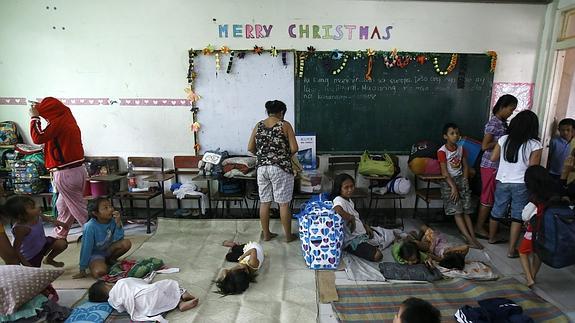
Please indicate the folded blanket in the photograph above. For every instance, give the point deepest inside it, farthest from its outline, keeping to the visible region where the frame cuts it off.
(391, 270)
(250, 162)
(474, 270)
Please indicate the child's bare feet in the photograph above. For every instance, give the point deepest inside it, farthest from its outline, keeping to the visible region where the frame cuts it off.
(268, 237)
(292, 237)
(229, 243)
(187, 305)
(53, 262)
(530, 283)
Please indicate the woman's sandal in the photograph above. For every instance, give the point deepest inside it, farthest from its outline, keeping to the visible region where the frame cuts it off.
(515, 254)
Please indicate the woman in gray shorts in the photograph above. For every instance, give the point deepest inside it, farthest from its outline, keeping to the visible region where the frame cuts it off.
(273, 142)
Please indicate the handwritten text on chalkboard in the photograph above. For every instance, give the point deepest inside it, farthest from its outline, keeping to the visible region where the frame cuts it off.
(329, 32)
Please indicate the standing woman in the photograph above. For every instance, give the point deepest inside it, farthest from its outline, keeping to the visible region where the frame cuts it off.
(273, 142)
(494, 129)
(64, 157)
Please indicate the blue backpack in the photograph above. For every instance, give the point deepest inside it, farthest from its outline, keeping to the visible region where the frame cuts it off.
(554, 240)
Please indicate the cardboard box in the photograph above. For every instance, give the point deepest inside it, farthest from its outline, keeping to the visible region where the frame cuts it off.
(306, 153)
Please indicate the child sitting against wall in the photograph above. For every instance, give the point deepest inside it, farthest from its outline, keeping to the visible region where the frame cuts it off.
(237, 279)
(142, 300)
(103, 239)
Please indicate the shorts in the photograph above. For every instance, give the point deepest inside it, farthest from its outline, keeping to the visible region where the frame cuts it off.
(514, 194)
(526, 246)
(274, 184)
(463, 204)
(363, 250)
(99, 255)
(487, 186)
(36, 261)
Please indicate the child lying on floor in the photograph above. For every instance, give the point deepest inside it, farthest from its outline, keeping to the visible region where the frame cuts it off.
(428, 243)
(143, 301)
(238, 278)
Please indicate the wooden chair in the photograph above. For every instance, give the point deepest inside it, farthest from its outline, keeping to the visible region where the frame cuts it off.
(427, 193)
(237, 198)
(153, 170)
(347, 163)
(185, 165)
(104, 169)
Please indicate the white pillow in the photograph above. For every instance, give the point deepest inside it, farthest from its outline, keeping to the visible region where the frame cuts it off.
(19, 284)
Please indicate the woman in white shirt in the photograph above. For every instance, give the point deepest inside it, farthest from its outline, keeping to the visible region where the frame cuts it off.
(516, 151)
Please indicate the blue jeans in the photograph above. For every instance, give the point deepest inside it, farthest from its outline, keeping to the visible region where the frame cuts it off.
(515, 194)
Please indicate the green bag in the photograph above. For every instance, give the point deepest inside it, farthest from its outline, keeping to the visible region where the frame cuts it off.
(370, 167)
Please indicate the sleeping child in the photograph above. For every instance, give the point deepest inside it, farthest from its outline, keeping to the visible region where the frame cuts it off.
(142, 300)
(237, 279)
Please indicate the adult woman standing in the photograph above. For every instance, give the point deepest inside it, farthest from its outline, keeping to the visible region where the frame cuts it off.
(273, 142)
(64, 157)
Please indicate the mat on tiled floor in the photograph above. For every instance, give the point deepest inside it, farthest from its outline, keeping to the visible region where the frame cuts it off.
(71, 258)
(374, 303)
(285, 289)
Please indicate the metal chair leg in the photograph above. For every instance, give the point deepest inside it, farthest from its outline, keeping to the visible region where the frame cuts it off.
(148, 224)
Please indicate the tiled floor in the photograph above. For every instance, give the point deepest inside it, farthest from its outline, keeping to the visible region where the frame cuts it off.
(557, 286)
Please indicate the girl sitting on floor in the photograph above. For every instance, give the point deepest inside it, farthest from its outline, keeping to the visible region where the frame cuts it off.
(103, 239)
(357, 233)
(238, 278)
(30, 242)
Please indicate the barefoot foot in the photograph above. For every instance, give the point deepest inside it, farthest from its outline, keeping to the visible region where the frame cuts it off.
(268, 237)
(292, 237)
(229, 243)
(53, 262)
(187, 305)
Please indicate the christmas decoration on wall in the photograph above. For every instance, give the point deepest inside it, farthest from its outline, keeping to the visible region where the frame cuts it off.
(273, 51)
(336, 54)
(450, 67)
(370, 54)
(225, 49)
(302, 57)
(284, 58)
(208, 50)
(493, 56)
(217, 62)
(311, 50)
(258, 49)
(230, 62)
(403, 61)
(421, 59)
(241, 55)
(193, 97)
(342, 66)
(390, 59)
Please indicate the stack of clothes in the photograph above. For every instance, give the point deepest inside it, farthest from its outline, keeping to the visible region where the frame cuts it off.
(239, 166)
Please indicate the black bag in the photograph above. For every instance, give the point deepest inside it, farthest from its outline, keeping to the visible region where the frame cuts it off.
(554, 236)
(229, 186)
(424, 148)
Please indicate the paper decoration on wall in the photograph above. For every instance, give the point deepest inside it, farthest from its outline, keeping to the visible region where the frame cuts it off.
(192, 96)
(208, 50)
(302, 57)
(274, 52)
(196, 126)
(522, 91)
(225, 49)
(342, 66)
(230, 62)
(258, 49)
(450, 67)
(284, 58)
(493, 56)
(370, 54)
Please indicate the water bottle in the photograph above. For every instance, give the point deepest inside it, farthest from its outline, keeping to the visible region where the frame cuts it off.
(132, 181)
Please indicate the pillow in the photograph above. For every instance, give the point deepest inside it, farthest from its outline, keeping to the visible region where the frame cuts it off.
(19, 284)
(420, 272)
(90, 312)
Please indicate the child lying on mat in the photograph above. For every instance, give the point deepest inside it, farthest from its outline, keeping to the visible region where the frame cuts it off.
(238, 278)
(416, 310)
(143, 301)
(428, 243)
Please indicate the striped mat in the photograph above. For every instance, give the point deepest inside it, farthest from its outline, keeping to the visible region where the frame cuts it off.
(375, 303)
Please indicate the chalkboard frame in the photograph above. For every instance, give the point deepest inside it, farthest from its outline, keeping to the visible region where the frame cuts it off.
(470, 68)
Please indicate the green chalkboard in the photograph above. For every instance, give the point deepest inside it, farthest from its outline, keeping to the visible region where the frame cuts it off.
(397, 108)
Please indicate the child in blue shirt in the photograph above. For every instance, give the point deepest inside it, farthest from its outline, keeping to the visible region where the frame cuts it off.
(560, 147)
(103, 239)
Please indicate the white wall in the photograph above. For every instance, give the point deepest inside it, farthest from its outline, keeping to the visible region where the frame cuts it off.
(138, 49)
